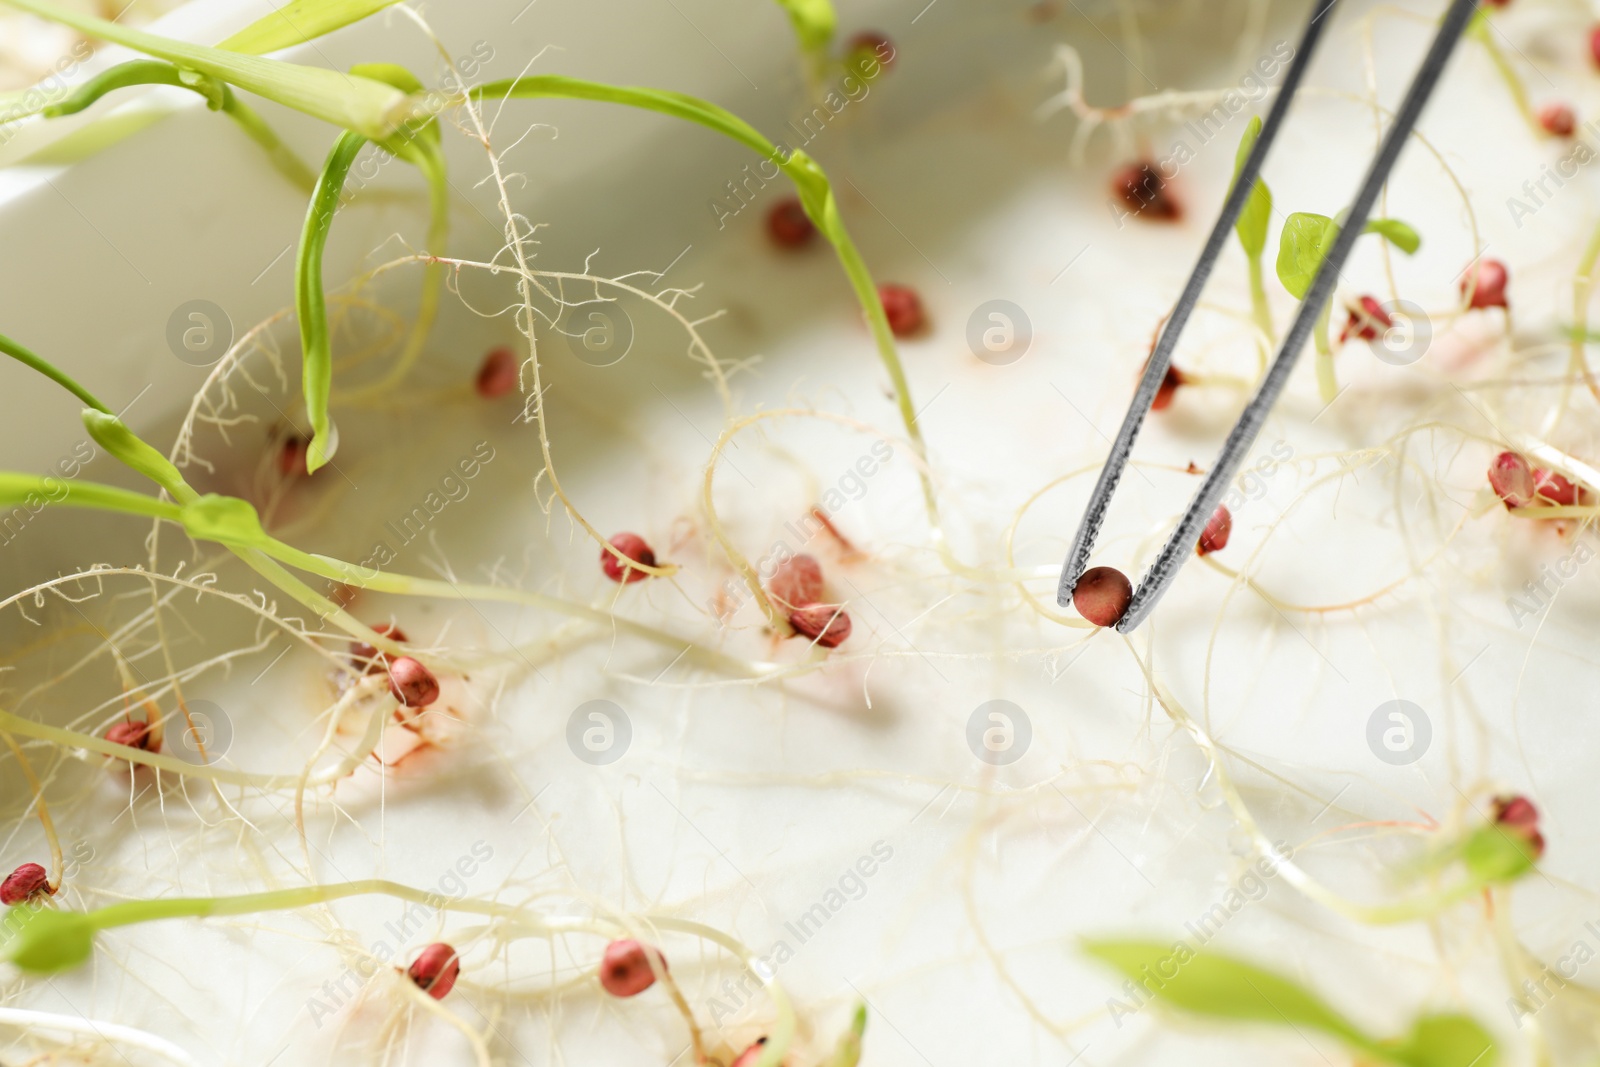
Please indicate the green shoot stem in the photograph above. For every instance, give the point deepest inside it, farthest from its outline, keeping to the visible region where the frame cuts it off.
(1261, 312)
(1502, 66)
(311, 303)
(430, 161)
(1327, 383)
(281, 156)
(217, 95)
(816, 195)
(349, 101)
(28, 358)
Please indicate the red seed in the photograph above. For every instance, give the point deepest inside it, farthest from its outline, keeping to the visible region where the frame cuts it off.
(498, 375)
(788, 224)
(435, 970)
(870, 54)
(1512, 480)
(904, 309)
(798, 582)
(1145, 193)
(133, 734)
(635, 548)
(1368, 321)
(1594, 45)
(1485, 285)
(292, 456)
(1167, 391)
(365, 657)
(24, 883)
(625, 967)
(747, 1058)
(824, 624)
(1214, 538)
(1554, 488)
(411, 683)
(1102, 595)
(1558, 120)
(1518, 813)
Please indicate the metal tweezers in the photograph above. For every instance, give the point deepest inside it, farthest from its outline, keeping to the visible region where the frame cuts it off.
(1181, 544)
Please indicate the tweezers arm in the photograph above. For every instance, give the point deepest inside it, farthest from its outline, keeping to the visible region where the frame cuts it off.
(1161, 357)
(1180, 546)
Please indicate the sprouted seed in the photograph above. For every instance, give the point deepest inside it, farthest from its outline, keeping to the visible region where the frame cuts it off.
(907, 316)
(827, 625)
(24, 883)
(1519, 814)
(1145, 193)
(788, 224)
(1512, 480)
(1102, 595)
(1556, 489)
(797, 582)
(625, 967)
(1485, 285)
(134, 733)
(1167, 391)
(748, 1057)
(435, 970)
(498, 374)
(367, 658)
(1368, 320)
(1557, 119)
(1214, 538)
(292, 456)
(870, 54)
(412, 684)
(633, 547)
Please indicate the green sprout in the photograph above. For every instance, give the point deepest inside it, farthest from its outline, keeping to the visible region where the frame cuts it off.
(352, 102)
(1301, 249)
(811, 184)
(1252, 230)
(1216, 986)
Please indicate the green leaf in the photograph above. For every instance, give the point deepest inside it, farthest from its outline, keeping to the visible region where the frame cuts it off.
(814, 22)
(847, 1053)
(1446, 1041)
(1223, 988)
(226, 520)
(1396, 233)
(44, 940)
(311, 305)
(1257, 214)
(300, 21)
(1305, 242)
(368, 107)
(113, 435)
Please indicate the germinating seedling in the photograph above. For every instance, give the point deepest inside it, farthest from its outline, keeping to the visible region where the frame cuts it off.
(385, 108)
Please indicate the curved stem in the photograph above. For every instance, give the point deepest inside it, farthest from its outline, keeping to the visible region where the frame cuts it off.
(310, 302)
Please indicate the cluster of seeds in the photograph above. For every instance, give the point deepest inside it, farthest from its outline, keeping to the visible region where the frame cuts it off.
(796, 586)
(1521, 485)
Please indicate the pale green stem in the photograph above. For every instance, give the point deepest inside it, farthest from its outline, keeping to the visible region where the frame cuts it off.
(1261, 311)
(1327, 384)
